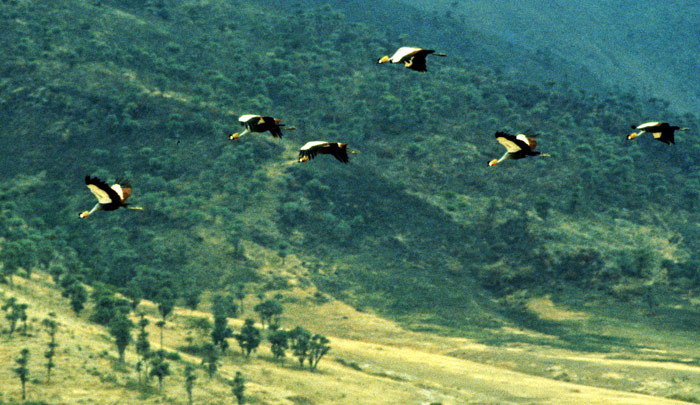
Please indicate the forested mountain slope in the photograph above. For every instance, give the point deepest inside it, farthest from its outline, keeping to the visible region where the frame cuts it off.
(415, 226)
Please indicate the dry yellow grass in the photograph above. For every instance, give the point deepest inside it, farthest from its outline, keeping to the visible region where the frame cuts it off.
(372, 361)
(545, 309)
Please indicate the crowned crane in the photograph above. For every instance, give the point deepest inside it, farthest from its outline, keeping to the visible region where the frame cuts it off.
(258, 123)
(661, 131)
(412, 58)
(337, 149)
(517, 147)
(108, 198)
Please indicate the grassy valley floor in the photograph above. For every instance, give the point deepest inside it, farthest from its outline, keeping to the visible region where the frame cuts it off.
(372, 360)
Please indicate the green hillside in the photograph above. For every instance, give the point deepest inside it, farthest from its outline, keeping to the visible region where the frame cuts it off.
(416, 228)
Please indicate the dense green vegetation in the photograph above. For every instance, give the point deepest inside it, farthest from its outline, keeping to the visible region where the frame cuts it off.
(416, 226)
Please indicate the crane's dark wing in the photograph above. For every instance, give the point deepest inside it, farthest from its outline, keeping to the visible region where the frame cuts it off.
(667, 136)
(104, 193)
(340, 152)
(511, 143)
(308, 153)
(272, 125)
(416, 61)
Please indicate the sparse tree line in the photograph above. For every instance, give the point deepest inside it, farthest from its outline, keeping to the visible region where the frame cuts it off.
(15, 311)
(115, 312)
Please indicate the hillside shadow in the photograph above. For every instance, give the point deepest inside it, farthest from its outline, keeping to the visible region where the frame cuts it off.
(568, 335)
(392, 250)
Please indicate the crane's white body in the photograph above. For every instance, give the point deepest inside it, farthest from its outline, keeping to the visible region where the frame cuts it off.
(310, 145)
(402, 53)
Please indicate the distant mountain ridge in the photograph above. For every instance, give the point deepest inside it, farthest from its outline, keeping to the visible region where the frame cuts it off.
(652, 47)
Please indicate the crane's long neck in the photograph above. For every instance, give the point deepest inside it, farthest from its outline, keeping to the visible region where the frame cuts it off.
(88, 213)
(239, 134)
(95, 208)
(495, 162)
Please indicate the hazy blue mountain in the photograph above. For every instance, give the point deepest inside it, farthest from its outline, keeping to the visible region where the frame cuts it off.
(653, 47)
